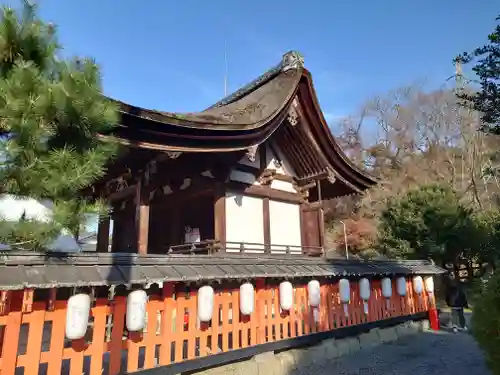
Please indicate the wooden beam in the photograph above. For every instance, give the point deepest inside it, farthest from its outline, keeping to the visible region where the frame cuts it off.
(283, 177)
(103, 234)
(265, 192)
(122, 194)
(142, 218)
(248, 169)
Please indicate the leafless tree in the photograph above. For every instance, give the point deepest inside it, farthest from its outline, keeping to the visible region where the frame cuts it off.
(410, 137)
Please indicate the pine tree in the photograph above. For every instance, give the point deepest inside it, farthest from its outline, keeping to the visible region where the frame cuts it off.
(486, 62)
(51, 112)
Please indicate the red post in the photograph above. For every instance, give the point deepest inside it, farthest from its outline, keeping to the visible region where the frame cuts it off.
(433, 313)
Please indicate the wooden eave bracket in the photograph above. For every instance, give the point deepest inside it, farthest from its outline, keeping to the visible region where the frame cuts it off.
(266, 177)
(252, 152)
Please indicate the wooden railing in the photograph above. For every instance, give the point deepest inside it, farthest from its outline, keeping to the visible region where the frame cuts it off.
(32, 328)
(212, 246)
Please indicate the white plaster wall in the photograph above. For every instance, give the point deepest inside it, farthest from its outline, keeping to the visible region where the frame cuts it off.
(283, 185)
(244, 222)
(285, 226)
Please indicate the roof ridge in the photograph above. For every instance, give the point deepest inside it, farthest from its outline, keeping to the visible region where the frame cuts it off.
(290, 60)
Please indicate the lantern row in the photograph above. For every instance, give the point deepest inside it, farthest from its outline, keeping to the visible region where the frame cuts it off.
(79, 305)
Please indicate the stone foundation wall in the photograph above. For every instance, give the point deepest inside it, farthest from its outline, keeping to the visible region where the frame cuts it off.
(297, 361)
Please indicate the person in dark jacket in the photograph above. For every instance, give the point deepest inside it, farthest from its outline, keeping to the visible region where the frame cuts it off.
(457, 301)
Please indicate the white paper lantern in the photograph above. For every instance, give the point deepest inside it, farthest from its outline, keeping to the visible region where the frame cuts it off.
(364, 289)
(205, 303)
(286, 296)
(387, 290)
(77, 316)
(418, 284)
(247, 298)
(136, 310)
(387, 287)
(344, 290)
(401, 286)
(313, 288)
(429, 284)
(364, 293)
(345, 294)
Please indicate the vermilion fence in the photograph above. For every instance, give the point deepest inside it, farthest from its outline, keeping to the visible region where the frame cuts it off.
(33, 333)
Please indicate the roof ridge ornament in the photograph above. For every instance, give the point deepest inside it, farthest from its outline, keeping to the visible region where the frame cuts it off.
(292, 60)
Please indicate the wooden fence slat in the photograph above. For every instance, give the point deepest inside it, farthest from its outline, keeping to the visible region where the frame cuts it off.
(329, 307)
(292, 317)
(166, 324)
(254, 321)
(352, 305)
(35, 334)
(324, 321)
(76, 357)
(9, 352)
(375, 304)
(115, 351)
(285, 321)
(300, 313)
(179, 325)
(226, 300)
(381, 304)
(245, 330)
(133, 346)
(276, 318)
(214, 344)
(235, 326)
(100, 313)
(57, 338)
(260, 306)
(310, 311)
(192, 328)
(150, 335)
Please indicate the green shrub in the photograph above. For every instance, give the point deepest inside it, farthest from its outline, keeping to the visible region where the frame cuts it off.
(486, 321)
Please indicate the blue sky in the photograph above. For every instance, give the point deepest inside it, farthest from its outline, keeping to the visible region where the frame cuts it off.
(170, 55)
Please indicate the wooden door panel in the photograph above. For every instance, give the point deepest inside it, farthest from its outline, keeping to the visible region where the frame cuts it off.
(312, 229)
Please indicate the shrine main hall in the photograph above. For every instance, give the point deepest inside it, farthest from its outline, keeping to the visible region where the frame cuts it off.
(249, 174)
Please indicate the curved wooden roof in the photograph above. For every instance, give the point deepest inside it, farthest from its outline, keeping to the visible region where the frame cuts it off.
(247, 118)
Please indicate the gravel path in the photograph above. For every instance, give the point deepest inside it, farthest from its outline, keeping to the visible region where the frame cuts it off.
(428, 353)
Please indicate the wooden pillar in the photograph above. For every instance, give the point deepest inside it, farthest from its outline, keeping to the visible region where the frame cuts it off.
(115, 242)
(321, 224)
(220, 215)
(142, 218)
(267, 225)
(103, 234)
